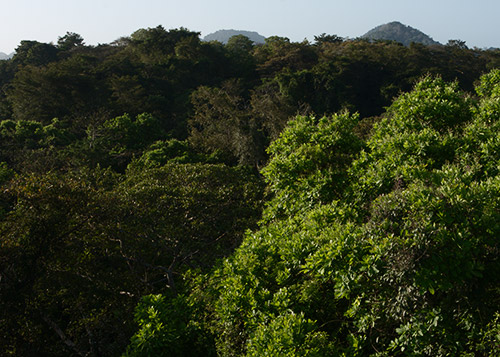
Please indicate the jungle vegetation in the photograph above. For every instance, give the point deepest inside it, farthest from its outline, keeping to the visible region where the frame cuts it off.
(164, 196)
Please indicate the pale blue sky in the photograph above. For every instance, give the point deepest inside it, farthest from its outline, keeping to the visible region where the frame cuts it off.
(103, 21)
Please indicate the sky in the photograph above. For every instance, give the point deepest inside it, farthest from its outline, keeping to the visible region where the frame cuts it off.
(103, 21)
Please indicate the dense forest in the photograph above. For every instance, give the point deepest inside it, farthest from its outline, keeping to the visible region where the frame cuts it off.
(164, 196)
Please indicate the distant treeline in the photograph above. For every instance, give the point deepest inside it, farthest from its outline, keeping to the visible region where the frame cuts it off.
(231, 99)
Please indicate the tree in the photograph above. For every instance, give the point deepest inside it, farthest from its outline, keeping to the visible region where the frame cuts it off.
(61, 275)
(386, 247)
(324, 38)
(197, 214)
(239, 43)
(35, 53)
(457, 44)
(278, 53)
(79, 249)
(65, 89)
(223, 122)
(240, 52)
(69, 41)
(156, 45)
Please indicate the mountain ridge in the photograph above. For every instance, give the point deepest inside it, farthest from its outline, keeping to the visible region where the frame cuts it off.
(5, 56)
(224, 36)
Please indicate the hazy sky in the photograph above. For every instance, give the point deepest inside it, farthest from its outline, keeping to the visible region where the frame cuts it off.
(103, 21)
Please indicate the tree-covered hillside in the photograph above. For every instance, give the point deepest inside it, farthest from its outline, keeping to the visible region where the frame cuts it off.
(224, 36)
(396, 31)
(165, 196)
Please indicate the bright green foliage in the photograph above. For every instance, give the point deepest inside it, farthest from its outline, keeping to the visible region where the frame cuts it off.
(31, 146)
(489, 85)
(288, 335)
(387, 250)
(177, 337)
(117, 140)
(310, 160)
(432, 103)
(162, 152)
(490, 336)
(482, 139)
(32, 134)
(173, 151)
(130, 133)
(421, 132)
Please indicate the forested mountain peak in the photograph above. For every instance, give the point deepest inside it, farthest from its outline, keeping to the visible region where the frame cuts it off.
(396, 31)
(224, 36)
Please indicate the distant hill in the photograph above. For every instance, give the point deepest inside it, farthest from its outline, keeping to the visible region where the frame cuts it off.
(4, 56)
(224, 35)
(396, 31)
